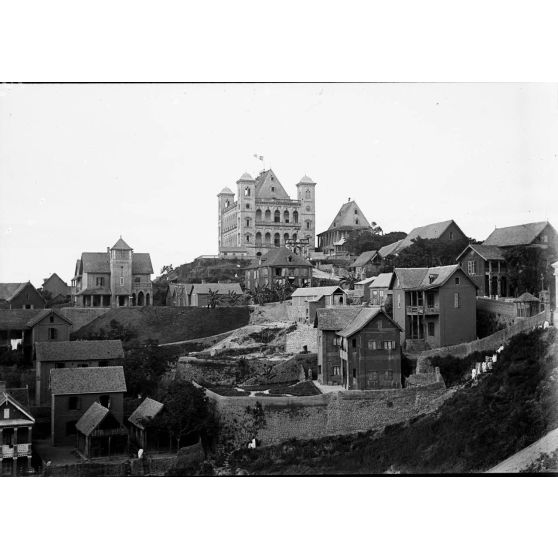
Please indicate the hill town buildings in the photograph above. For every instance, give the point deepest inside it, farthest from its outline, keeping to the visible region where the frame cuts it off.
(263, 215)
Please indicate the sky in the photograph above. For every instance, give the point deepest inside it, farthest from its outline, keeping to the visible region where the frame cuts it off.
(82, 164)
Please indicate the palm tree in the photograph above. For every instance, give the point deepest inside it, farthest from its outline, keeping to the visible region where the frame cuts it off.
(348, 282)
(213, 298)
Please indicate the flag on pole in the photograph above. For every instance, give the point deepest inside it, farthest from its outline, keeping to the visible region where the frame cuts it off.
(260, 157)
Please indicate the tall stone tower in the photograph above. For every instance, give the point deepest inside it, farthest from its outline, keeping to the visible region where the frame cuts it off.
(246, 216)
(306, 191)
(120, 271)
(226, 199)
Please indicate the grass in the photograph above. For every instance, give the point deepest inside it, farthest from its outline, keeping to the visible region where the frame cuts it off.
(477, 428)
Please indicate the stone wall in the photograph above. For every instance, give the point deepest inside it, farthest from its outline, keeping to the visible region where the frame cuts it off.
(504, 311)
(489, 343)
(304, 335)
(274, 420)
(81, 316)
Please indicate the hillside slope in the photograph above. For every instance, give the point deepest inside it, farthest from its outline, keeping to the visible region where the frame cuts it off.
(476, 429)
(164, 323)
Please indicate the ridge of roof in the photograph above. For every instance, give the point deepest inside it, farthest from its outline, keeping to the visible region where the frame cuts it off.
(516, 235)
(91, 418)
(121, 245)
(96, 349)
(364, 317)
(335, 318)
(146, 410)
(345, 218)
(264, 183)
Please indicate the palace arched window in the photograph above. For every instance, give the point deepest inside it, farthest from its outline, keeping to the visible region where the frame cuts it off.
(277, 216)
(277, 239)
(258, 239)
(258, 214)
(295, 217)
(267, 215)
(286, 216)
(267, 238)
(308, 194)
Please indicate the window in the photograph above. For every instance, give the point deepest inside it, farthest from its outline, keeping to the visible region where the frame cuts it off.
(308, 224)
(104, 400)
(273, 188)
(389, 345)
(399, 301)
(456, 300)
(74, 403)
(247, 192)
(121, 281)
(308, 195)
(545, 238)
(51, 319)
(472, 267)
(451, 235)
(136, 279)
(248, 222)
(457, 280)
(7, 412)
(99, 281)
(353, 343)
(387, 374)
(295, 217)
(356, 211)
(430, 329)
(336, 370)
(277, 216)
(52, 333)
(247, 206)
(354, 373)
(337, 341)
(372, 345)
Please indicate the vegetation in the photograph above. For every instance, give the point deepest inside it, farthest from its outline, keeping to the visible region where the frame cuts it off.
(358, 242)
(431, 253)
(271, 292)
(472, 431)
(528, 269)
(209, 270)
(546, 463)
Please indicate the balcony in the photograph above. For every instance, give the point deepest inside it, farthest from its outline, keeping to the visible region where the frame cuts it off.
(423, 310)
(7, 451)
(18, 450)
(273, 224)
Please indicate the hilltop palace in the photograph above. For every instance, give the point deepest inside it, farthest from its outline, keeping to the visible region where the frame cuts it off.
(264, 216)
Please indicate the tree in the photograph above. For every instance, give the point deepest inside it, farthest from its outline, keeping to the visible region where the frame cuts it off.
(425, 252)
(213, 298)
(528, 269)
(167, 269)
(358, 242)
(144, 366)
(186, 412)
(348, 282)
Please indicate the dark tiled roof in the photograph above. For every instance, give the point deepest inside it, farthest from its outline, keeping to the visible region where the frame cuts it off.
(43, 314)
(527, 297)
(18, 318)
(382, 281)
(223, 288)
(99, 262)
(148, 409)
(79, 350)
(98, 379)
(121, 245)
(419, 277)
(267, 180)
(346, 217)
(280, 257)
(484, 251)
(317, 291)
(9, 290)
(91, 418)
(429, 232)
(517, 235)
(141, 263)
(365, 316)
(8, 397)
(364, 258)
(334, 319)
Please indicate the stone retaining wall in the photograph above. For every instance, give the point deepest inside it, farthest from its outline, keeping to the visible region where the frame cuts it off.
(304, 335)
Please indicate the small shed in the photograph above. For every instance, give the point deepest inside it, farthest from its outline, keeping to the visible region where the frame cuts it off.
(527, 305)
(146, 435)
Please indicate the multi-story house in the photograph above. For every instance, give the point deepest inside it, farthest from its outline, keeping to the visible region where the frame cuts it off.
(279, 265)
(71, 354)
(263, 216)
(20, 295)
(306, 300)
(358, 348)
(435, 306)
(379, 289)
(349, 218)
(16, 425)
(486, 263)
(56, 287)
(367, 264)
(115, 278)
(74, 390)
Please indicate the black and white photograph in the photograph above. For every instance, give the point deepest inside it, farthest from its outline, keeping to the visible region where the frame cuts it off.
(278, 279)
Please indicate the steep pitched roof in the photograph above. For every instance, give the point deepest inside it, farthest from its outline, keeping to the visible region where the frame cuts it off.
(517, 235)
(485, 252)
(91, 418)
(268, 186)
(365, 316)
(429, 232)
(7, 398)
(43, 314)
(222, 288)
(283, 257)
(121, 245)
(420, 277)
(148, 409)
(316, 291)
(335, 319)
(347, 216)
(141, 263)
(382, 281)
(103, 349)
(99, 262)
(364, 258)
(98, 379)
(9, 290)
(389, 249)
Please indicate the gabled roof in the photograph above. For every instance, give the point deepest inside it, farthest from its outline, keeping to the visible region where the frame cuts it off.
(222, 288)
(527, 297)
(98, 379)
(365, 316)
(54, 276)
(44, 313)
(5, 397)
(517, 235)
(335, 319)
(485, 252)
(283, 257)
(317, 291)
(9, 290)
(420, 277)
(121, 245)
(103, 349)
(99, 262)
(346, 217)
(427, 232)
(148, 409)
(382, 281)
(91, 418)
(389, 249)
(364, 258)
(17, 318)
(267, 180)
